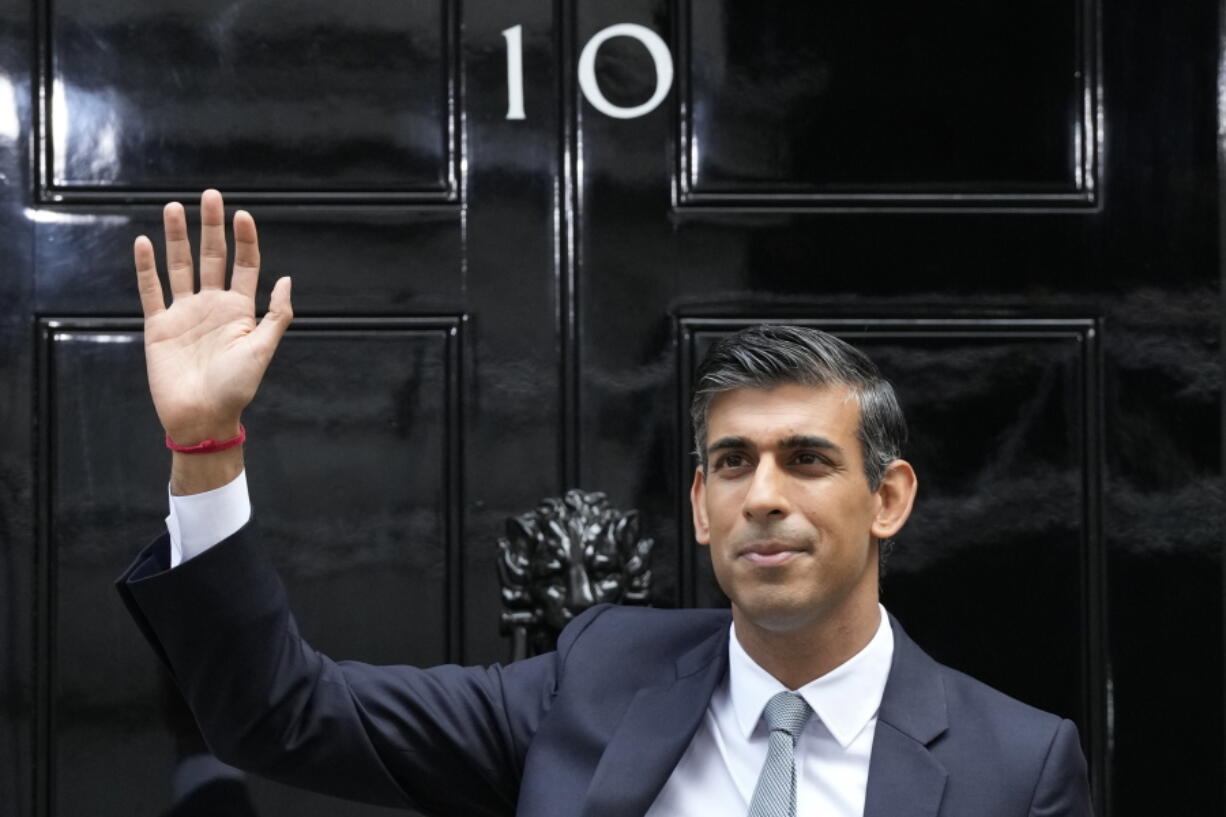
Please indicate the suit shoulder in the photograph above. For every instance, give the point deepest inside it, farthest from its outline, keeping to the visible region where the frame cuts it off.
(1007, 753)
(995, 713)
(971, 692)
(621, 630)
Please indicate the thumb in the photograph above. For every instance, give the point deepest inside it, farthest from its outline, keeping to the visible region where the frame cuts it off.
(278, 317)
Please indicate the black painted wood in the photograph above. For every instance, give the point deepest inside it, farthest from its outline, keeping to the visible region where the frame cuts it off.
(1115, 431)
(379, 580)
(880, 104)
(1014, 209)
(316, 101)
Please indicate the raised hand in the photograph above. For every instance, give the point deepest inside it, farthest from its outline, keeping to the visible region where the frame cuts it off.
(205, 353)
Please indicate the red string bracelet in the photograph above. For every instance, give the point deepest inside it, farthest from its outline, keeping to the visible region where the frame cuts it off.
(209, 446)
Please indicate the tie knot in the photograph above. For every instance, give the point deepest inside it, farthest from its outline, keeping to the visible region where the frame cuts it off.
(787, 712)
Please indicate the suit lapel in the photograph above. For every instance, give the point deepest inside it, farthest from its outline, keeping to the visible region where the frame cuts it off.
(904, 779)
(655, 731)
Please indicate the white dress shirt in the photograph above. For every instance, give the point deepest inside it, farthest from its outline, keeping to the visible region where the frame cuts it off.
(717, 774)
(198, 521)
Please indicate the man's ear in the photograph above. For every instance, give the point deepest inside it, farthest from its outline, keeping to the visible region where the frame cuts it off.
(895, 496)
(698, 503)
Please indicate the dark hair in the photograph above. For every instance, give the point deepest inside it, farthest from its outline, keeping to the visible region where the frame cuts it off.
(762, 357)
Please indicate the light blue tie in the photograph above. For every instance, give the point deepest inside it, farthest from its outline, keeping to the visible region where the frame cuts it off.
(775, 794)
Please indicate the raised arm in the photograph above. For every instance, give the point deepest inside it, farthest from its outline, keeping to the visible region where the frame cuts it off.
(445, 740)
(205, 353)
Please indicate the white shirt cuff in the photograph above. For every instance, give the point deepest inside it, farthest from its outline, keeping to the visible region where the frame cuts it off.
(199, 521)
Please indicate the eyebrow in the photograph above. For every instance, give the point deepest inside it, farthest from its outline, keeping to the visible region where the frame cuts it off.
(728, 443)
(793, 442)
(810, 441)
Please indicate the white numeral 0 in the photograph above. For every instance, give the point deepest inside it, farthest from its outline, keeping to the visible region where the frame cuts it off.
(656, 47)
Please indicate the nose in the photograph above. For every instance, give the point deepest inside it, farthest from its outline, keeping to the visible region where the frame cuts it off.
(766, 497)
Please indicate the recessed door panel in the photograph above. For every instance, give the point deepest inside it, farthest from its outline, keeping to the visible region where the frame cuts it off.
(365, 541)
(887, 103)
(277, 97)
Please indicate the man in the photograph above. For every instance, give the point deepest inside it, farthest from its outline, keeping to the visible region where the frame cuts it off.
(809, 699)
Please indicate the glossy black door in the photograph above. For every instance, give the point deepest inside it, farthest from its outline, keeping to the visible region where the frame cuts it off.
(370, 141)
(1012, 207)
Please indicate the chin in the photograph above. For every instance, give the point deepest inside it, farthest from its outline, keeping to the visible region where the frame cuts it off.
(778, 615)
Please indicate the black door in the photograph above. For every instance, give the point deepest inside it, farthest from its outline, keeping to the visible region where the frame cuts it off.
(514, 227)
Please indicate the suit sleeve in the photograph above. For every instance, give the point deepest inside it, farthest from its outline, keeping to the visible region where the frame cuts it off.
(1063, 789)
(444, 739)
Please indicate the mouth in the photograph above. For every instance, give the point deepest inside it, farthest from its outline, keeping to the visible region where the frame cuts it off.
(769, 554)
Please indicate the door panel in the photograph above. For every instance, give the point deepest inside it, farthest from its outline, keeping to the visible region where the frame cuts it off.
(321, 100)
(819, 104)
(1004, 544)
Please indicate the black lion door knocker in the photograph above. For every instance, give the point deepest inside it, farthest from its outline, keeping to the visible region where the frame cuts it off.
(570, 553)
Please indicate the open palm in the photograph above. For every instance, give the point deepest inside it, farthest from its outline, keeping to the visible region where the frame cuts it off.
(205, 353)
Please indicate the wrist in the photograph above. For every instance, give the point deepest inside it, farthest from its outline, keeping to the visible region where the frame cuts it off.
(195, 434)
(197, 473)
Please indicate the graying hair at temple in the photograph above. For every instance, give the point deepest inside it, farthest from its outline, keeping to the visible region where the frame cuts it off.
(762, 357)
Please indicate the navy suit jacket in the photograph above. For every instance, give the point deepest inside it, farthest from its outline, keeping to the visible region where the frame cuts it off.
(591, 730)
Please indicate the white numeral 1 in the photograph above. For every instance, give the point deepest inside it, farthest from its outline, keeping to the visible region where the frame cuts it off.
(515, 72)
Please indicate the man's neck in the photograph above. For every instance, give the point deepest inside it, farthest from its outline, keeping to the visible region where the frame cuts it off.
(803, 654)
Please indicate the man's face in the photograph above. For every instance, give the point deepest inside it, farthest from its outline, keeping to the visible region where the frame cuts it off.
(785, 506)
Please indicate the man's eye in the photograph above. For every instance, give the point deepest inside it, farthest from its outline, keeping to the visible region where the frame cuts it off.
(809, 458)
(730, 461)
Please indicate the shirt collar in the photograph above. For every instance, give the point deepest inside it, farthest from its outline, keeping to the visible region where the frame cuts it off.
(844, 699)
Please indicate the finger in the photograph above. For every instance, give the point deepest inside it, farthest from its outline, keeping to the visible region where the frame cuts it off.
(277, 319)
(178, 250)
(147, 283)
(246, 255)
(212, 241)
